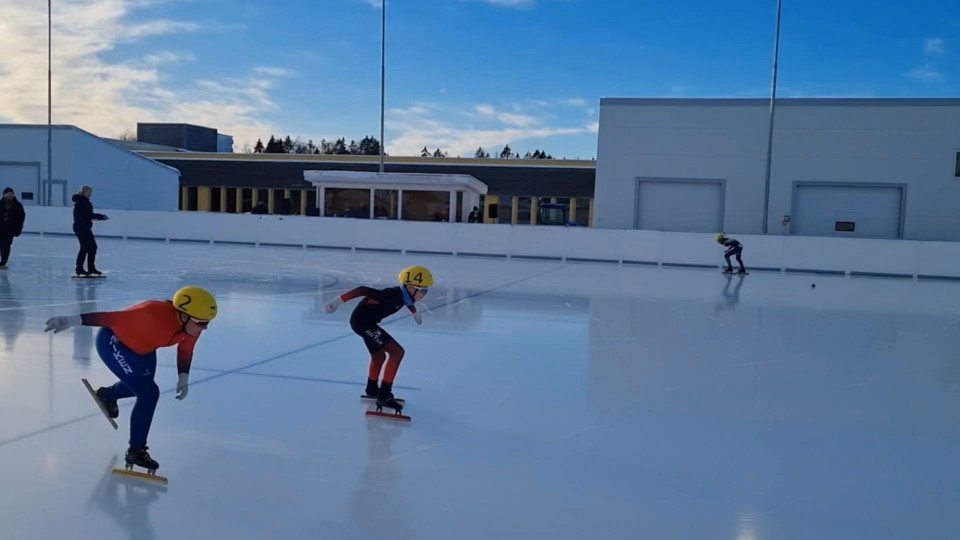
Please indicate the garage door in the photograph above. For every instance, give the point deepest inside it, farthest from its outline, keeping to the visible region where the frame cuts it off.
(852, 211)
(675, 205)
(23, 178)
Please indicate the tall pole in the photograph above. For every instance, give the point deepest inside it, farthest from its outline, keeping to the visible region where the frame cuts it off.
(773, 100)
(45, 193)
(383, 72)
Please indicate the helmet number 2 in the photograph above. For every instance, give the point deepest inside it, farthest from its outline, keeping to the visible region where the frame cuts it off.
(186, 302)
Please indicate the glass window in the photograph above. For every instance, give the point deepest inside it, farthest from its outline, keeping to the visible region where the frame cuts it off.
(505, 209)
(246, 196)
(191, 198)
(492, 211)
(583, 211)
(231, 200)
(426, 205)
(215, 200)
(385, 203)
(312, 208)
(459, 214)
(353, 203)
(523, 210)
(277, 202)
(296, 200)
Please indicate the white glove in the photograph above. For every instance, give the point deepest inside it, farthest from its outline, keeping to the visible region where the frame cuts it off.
(62, 322)
(333, 305)
(418, 318)
(182, 385)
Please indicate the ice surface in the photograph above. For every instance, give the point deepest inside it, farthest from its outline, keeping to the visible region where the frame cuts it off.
(549, 400)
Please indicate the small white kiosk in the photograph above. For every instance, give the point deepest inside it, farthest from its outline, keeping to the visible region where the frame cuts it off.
(411, 197)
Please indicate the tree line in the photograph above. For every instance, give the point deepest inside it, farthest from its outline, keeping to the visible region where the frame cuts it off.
(370, 146)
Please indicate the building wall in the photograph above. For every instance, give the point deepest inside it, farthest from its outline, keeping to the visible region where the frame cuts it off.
(246, 178)
(911, 142)
(121, 179)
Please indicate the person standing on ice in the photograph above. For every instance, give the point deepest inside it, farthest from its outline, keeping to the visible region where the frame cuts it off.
(127, 343)
(378, 304)
(83, 218)
(733, 249)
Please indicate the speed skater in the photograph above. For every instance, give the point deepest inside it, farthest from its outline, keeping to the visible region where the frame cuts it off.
(376, 305)
(733, 249)
(127, 342)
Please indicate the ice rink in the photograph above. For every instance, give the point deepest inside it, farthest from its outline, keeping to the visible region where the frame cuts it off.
(549, 401)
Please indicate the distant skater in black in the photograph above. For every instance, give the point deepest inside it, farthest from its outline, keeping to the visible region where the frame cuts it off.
(83, 218)
(733, 249)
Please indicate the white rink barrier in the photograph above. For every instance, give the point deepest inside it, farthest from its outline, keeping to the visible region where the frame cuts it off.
(892, 258)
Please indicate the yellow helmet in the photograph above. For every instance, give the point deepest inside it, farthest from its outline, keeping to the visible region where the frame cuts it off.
(417, 275)
(721, 237)
(196, 302)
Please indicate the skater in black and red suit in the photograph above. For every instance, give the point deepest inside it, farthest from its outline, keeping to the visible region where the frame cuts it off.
(733, 249)
(378, 304)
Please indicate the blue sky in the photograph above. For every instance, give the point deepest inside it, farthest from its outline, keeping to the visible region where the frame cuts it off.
(460, 73)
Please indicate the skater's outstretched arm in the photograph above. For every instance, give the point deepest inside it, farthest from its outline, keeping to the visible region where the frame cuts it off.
(60, 323)
(359, 292)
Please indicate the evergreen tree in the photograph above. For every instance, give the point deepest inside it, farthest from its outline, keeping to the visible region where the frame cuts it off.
(506, 153)
(480, 153)
(258, 149)
(424, 152)
(340, 147)
(353, 148)
(274, 146)
(288, 145)
(528, 155)
(438, 153)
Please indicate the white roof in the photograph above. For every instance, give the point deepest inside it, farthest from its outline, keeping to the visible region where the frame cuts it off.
(405, 181)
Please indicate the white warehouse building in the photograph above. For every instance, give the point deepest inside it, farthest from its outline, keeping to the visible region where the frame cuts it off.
(121, 179)
(868, 168)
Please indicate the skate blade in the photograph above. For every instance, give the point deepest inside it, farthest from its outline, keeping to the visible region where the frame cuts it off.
(89, 277)
(368, 398)
(392, 416)
(138, 474)
(96, 400)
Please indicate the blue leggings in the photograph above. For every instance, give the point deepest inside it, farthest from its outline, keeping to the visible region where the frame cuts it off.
(136, 374)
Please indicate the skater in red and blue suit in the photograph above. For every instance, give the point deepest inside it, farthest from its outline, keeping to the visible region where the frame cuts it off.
(378, 304)
(127, 343)
(733, 249)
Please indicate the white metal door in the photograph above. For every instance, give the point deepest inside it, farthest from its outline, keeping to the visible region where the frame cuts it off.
(679, 205)
(868, 211)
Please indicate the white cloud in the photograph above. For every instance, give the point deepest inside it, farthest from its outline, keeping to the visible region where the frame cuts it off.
(429, 125)
(934, 45)
(926, 74)
(165, 58)
(511, 119)
(274, 71)
(109, 97)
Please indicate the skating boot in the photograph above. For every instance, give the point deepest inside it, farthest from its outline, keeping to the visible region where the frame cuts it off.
(742, 271)
(728, 270)
(138, 456)
(372, 389)
(80, 272)
(110, 404)
(386, 399)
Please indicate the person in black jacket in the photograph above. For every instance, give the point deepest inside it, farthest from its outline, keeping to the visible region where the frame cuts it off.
(83, 218)
(12, 217)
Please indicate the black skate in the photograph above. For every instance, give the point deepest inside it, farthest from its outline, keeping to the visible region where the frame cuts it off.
(107, 412)
(109, 404)
(389, 402)
(372, 389)
(138, 456)
(728, 270)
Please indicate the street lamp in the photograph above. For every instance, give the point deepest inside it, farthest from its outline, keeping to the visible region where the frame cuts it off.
(383, 72)
(773, 99)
